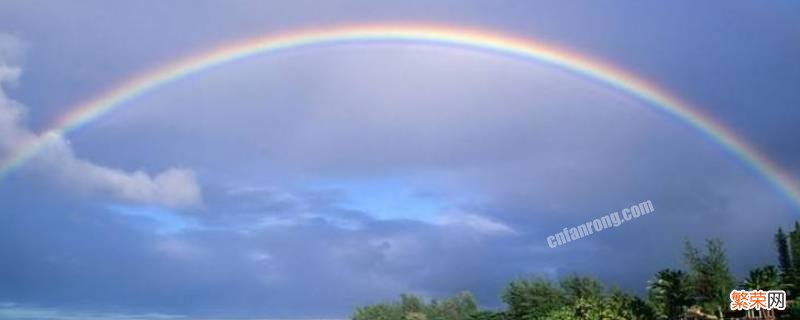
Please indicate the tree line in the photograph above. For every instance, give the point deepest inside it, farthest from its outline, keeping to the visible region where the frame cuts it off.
(700, 291)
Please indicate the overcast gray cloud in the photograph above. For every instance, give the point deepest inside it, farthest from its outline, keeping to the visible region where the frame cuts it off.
(305, 183)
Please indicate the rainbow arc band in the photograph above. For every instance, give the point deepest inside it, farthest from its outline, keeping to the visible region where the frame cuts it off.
(462, 37)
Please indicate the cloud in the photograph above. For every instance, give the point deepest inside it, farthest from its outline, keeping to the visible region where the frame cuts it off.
(520, 149)
(476, 222)
(174, 187)
(314, 267)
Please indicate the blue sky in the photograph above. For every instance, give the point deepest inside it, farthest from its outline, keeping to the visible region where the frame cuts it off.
(303, 184)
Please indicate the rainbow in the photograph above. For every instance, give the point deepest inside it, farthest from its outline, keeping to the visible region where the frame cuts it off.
(426, 34)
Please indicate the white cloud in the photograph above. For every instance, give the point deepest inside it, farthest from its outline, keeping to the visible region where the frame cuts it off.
(174, 187)
(476, 222)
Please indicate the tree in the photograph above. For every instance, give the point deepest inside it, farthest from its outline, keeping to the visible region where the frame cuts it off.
(410, 303)
(588, 308)
(459, 307)
(787, 271)
(411, 307)
(532, 299)
(794, 253)
(615, 306)
(623, 306)
(415, 316)
(580, 309)
(576, 287)
(765, 278)
(642, 310)
(709, 275)
(670, 293)
(704, 289)
(488, 315)
(781, 244)
(384, 311)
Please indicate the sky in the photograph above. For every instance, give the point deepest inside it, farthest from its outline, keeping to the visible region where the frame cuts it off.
(302, 184)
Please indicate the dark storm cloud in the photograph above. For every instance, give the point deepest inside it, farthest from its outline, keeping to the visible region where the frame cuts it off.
(90, 258)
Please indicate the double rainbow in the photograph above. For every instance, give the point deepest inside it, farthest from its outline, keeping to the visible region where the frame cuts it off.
(426, 34)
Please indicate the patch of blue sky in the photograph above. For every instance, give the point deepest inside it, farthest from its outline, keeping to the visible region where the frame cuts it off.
(391, 197)
(163, 220)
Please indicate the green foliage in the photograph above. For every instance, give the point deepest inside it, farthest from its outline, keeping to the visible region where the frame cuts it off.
(794, 246)
(588, 308)
(616, 306)
(532, 299)
(620, 305)
(576, 287)
(411, 307)
(580, 309)
(410, 303)
(642, 310)
(563, 313)
(488, 315)
(793, 310)
(765, 278)
(670, 293)
(577, 298)
(459, 307)
(787, 270)
(710, 276)
(415, 316)
(782, 245)
(384, 311)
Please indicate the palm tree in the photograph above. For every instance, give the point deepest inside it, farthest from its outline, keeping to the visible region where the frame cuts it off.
(765, 278)
(670, 293)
